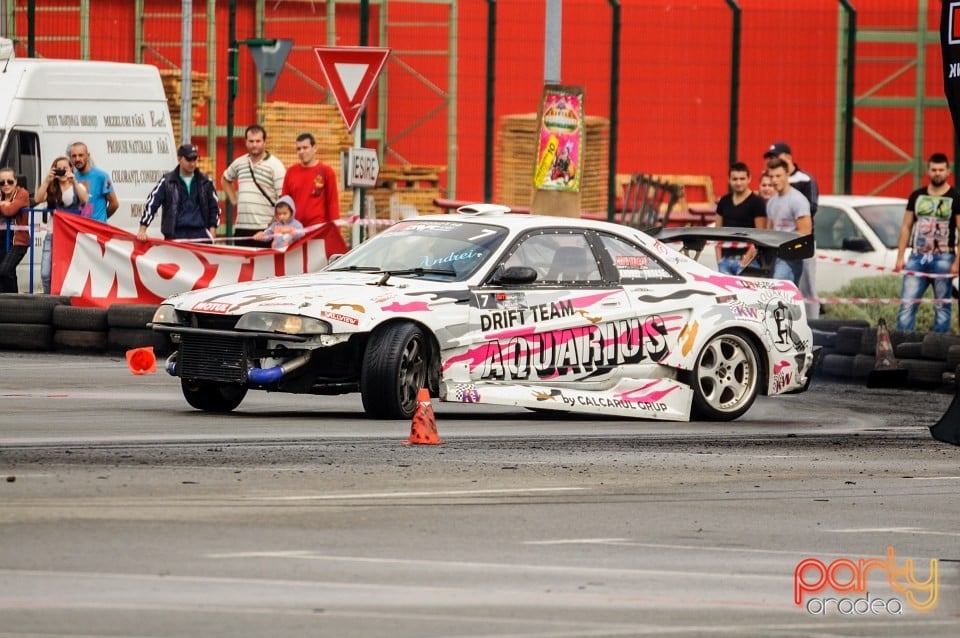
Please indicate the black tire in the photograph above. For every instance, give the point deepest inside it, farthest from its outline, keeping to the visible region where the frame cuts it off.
(934, 345)
(863, 365)
(133, 315)
(822, 338)
(953, 357)
(26, 336)
(725, 378)
(833, 325)
(838, 366)
(27, 308)
(80, 341)
(908, 350)
(905, 336)
(849, 338)
(868, 342)
(394, 370)
(119, 340)
(212, 396)
(924, 373)
(77, 318)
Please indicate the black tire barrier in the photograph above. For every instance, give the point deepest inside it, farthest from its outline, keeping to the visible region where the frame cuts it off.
(908, 350)
(823, 338)
(75, 318)
(85, 341)
(27, 309)
(868, 343)
(863, 365)
(953, 356)
(833, 325)
(849, 338)
(924, 373)
(839, 366)
(119, 340)
(26, 336)
(130, 315)
(934, 345)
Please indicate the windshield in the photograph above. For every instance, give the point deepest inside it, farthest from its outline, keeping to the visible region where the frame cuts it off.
(442, 250)
(884, 220)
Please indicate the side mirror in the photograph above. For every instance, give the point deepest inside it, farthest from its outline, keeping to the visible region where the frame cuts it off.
(857, 245)
(516, 275)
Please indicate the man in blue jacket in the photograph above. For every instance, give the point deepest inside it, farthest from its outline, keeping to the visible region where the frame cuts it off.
(188, 197)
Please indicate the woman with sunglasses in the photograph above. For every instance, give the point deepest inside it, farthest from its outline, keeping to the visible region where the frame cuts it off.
(62, 192)
(13, 204)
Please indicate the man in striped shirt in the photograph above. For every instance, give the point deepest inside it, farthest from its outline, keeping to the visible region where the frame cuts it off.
(259, 181)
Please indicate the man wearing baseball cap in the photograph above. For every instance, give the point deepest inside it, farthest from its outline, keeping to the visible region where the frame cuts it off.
(807, 186)
(188, 197)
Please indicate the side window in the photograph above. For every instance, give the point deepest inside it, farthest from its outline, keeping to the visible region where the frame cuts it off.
(560, 258)
(832, 226)
(635, 265)
(22, 154)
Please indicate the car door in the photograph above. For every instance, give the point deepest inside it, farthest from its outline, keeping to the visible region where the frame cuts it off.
(568, 324)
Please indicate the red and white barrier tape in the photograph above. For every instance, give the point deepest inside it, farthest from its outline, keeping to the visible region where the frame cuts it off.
(872, 300)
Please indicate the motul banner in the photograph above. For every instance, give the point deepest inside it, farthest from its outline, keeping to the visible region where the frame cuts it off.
(950, 49)
(97, 264)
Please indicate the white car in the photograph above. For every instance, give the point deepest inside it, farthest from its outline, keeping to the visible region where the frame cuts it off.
(856, 237)
(480, 306)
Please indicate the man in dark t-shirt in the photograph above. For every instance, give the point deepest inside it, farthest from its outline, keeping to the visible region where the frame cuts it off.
(740, 208)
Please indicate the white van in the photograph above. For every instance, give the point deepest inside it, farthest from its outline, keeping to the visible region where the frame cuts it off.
(118, 110)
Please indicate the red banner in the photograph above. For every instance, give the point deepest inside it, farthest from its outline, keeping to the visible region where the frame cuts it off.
(97, 264)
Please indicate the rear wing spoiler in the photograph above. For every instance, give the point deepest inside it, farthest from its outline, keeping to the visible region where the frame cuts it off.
(770, 244)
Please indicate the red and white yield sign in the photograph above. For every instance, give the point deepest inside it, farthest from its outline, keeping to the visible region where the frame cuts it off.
(351, 73)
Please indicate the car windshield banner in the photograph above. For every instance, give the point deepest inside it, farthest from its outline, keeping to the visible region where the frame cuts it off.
(97, 264)
(950, 48)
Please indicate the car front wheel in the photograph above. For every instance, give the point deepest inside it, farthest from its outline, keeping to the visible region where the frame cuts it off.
(725, 378)
(212, 396)
(394, 371)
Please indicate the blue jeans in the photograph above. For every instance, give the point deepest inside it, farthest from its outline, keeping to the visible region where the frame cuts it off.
(914, 287)
(788, 269)
(46, 262)
(731, 265)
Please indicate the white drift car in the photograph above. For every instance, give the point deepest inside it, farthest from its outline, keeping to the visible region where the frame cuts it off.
(481, 306)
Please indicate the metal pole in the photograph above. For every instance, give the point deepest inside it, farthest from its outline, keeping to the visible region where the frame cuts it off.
(552, 44)
(364, 41)
(489, 120)
(848, 105)
(186, 71)
(31, 30)
(615, 27)
(232, 78)
(734, 81)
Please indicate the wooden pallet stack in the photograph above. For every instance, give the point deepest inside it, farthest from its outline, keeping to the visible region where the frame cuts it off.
(516, 156)
(173, 87)
(413, 185)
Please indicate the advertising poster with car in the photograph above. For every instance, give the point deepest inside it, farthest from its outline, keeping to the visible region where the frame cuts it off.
(561, 135)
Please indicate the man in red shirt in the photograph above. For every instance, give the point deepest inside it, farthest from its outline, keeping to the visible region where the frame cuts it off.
(313, 187)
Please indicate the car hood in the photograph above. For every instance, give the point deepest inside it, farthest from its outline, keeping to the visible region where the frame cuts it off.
(319, 294)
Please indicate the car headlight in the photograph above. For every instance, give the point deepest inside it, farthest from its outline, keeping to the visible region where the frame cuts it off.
(165, 314)
(287, 324)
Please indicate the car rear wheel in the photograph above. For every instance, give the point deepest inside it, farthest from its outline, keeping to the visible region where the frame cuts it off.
(394, 371)
(212, 396)
(725, 378)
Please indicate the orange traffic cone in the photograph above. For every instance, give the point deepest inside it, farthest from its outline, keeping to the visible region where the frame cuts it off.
(886, 372)
(423, 429)
(142, 360)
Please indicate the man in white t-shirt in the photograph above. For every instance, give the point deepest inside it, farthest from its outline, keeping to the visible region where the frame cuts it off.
(259, 176)
(787, 210)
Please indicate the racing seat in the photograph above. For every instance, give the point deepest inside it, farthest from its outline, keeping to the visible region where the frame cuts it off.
(573, 264)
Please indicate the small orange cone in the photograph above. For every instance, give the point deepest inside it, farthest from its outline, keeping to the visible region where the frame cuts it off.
(423, 429)
(142, 360)
(886, 372)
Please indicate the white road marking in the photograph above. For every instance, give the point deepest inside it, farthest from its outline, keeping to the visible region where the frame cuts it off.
(341, 497)
(891, 530)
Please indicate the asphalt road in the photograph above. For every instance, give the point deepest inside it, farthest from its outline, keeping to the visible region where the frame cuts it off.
(125, 513)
